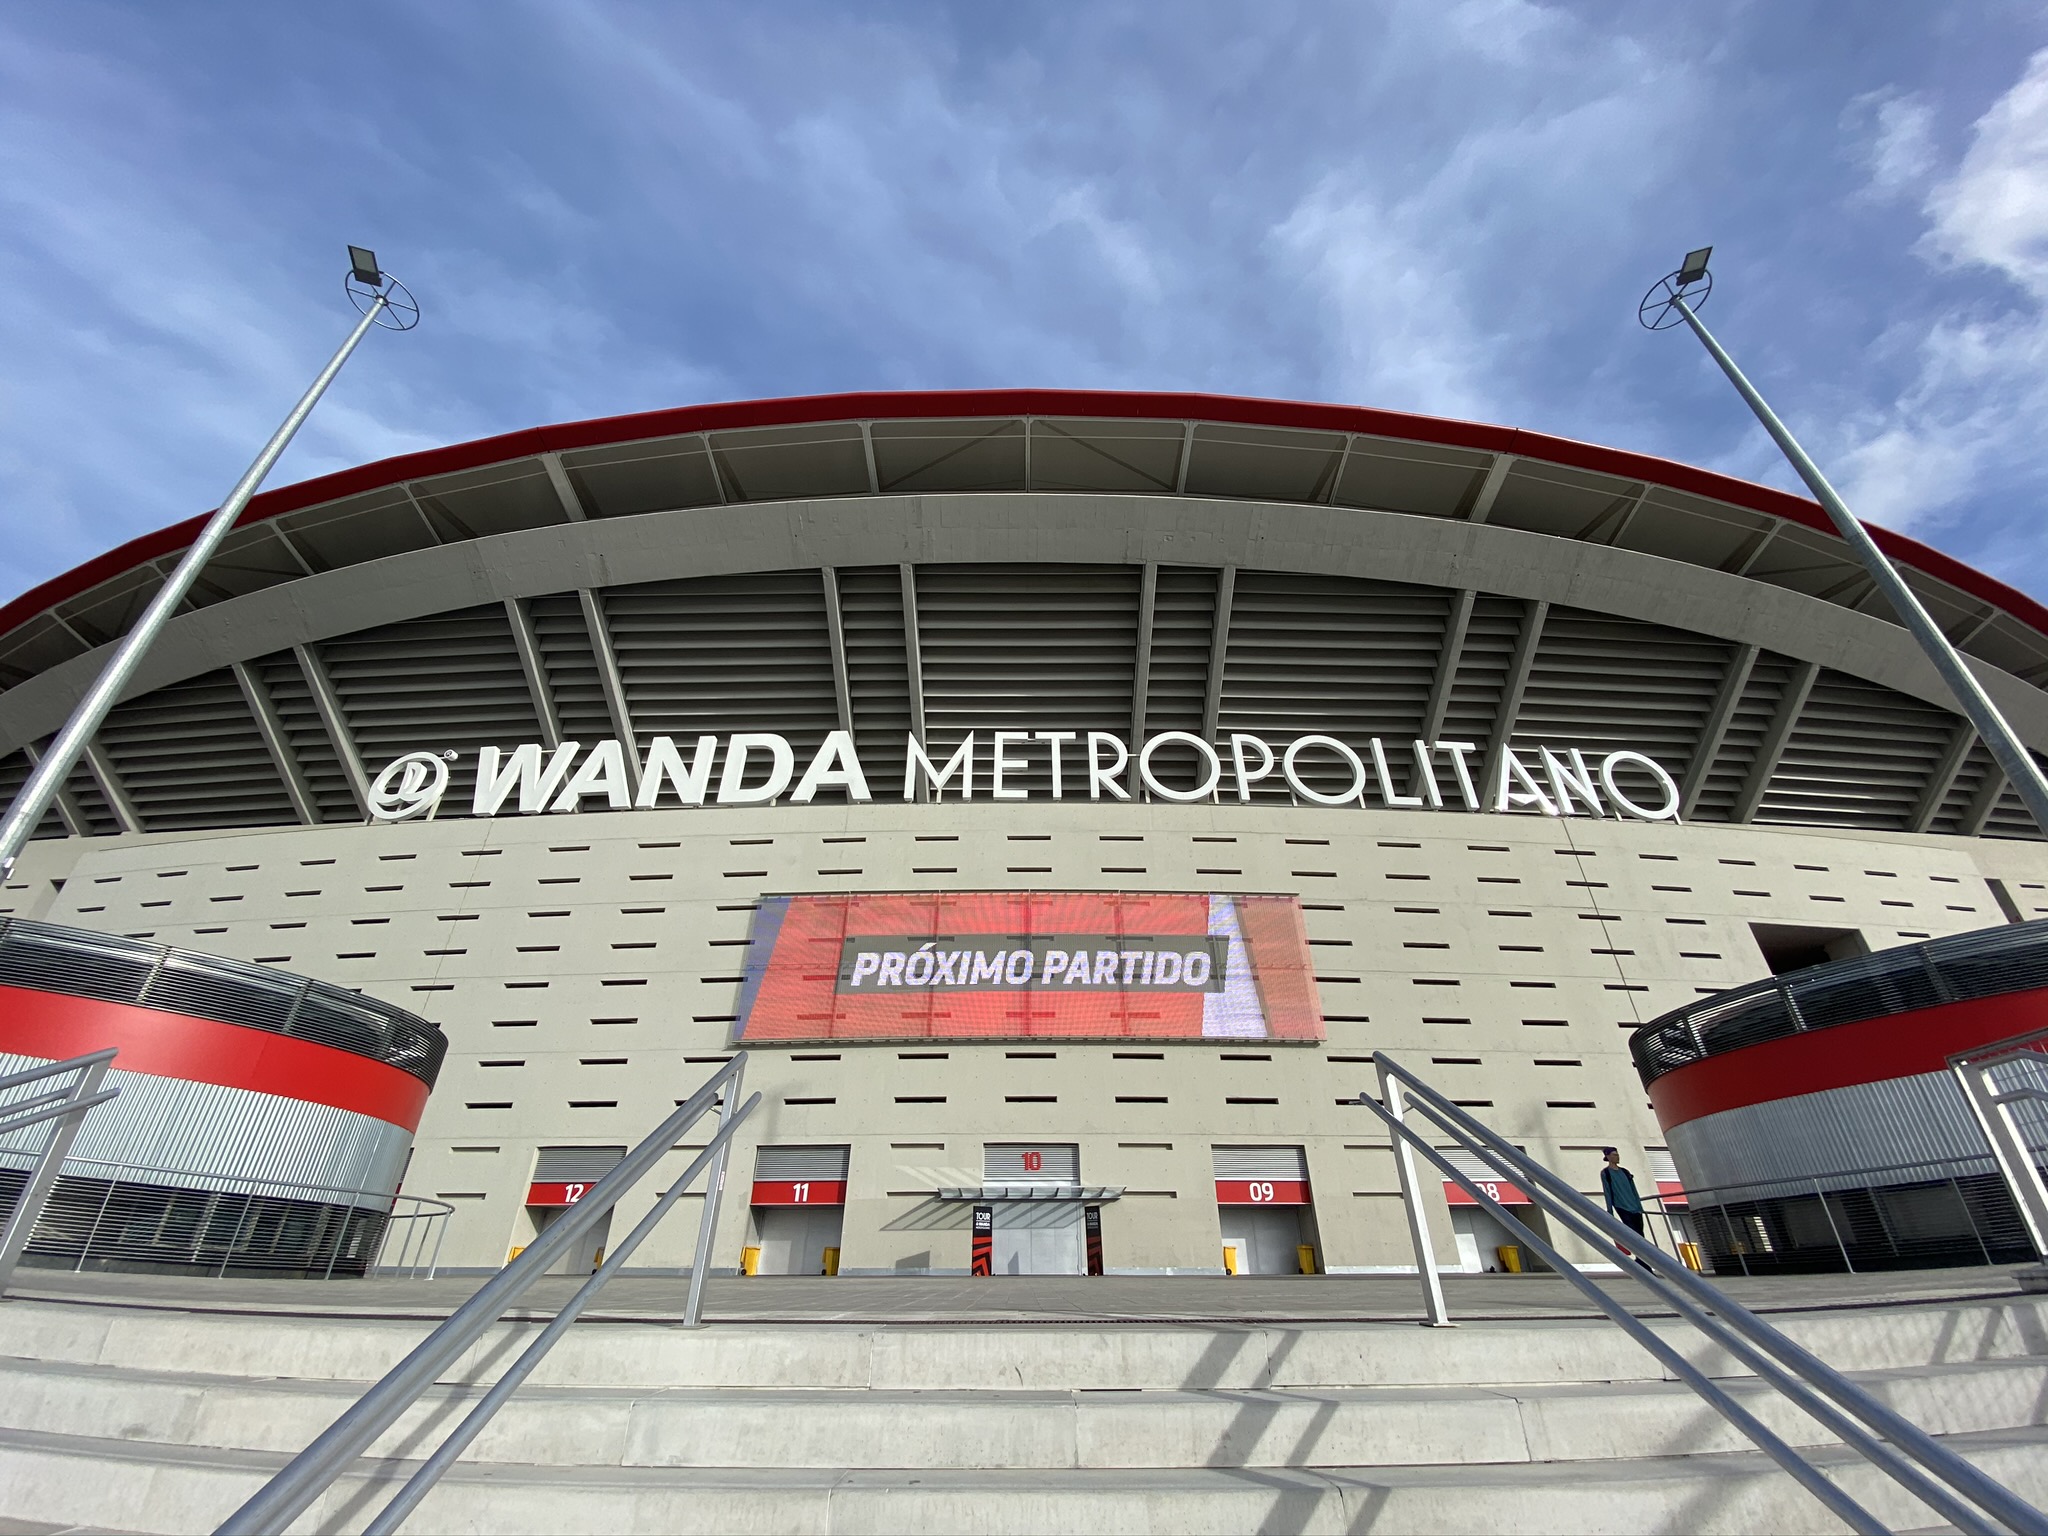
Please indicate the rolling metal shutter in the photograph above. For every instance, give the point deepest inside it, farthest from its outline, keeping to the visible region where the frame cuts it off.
(1261, 1163)
(585, 1165)
(779, 1163)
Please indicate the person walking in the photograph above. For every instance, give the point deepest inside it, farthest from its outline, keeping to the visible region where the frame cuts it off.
(1624, 1202)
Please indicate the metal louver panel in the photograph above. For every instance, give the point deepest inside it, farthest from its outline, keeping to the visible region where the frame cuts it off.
(307, 736)
(1260, 1162)
(772, 1163)
(570, 667)
(1483, 667)
(1471, 1164)
(2010, 817)
(190, 756)
(1183, 634)
(1747, 727)
(1859, 756)
(233, 1139)
(1334, 656)
(1955, 806)
(1605, 684)
(1012, 1163)
(877, 671)
(1026, 648)
(14, 771)
(447, 683)
(561, 1165)
(721, 654)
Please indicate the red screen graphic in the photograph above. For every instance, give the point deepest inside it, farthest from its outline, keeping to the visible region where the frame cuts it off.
(1029, 964)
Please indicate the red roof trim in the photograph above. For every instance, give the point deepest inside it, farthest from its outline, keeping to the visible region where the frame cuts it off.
(804, 409)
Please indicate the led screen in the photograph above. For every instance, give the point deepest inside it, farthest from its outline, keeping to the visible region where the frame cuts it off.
(1029, 965)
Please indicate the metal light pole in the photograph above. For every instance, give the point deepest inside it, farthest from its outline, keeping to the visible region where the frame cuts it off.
(384, 302)
(1675, 298)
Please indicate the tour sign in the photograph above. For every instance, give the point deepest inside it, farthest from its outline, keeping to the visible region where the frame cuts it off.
(759, 767)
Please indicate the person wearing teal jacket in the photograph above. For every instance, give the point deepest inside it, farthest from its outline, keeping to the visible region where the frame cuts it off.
(1618, 1185)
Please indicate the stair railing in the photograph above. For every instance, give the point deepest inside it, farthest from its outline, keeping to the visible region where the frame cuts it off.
(309, 1474)
(1943, 1480)
(66, 1106)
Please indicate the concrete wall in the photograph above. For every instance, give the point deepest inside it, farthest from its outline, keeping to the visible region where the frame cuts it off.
(1505, 956)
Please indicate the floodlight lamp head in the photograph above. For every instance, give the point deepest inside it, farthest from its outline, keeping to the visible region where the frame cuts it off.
(1678, 294)
(363, 267)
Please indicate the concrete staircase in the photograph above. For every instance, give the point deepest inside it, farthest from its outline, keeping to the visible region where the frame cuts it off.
(147, 1418)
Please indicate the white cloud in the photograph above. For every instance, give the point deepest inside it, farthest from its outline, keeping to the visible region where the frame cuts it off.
(1894, 134)
(1976, 408)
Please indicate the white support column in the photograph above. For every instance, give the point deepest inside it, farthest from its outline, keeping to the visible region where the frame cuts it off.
(526, 641)
(1141, 674)
(612, 680)
(1943, 778)
(332, 716)
(913, 663)
(1772, 748)
(69, 811)
(867, 445)
(835, 627)
(102, 768)
(565, 488)
(1516, 684)
(1456, 622)
(1726, 701)
(1489, 488)
(1977, 815)
(277, 743)
(1219, 652)
(1437, 1313)
(711, 463)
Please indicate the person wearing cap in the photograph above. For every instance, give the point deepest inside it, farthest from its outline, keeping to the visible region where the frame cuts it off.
(1618, 1185)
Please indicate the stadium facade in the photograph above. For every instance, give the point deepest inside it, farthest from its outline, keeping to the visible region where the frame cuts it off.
(1060, 794)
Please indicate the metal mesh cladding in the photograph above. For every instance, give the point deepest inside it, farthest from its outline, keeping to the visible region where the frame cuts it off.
(49, 958)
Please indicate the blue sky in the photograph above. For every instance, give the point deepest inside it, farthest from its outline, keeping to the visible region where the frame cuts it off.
(1439, 207)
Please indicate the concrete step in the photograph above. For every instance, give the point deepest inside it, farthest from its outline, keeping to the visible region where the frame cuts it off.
(999, 1357)
(1248, 1427)
(66, 1480)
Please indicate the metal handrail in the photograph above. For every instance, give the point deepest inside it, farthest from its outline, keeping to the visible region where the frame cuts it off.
(1956, 968)
(67, 1109)
(421, 1483)
(420, 1210)
(77, 962)
(1920, 1464)
(307, 1475)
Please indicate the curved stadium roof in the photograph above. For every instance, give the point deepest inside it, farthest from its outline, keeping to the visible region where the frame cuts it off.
(1465, 490)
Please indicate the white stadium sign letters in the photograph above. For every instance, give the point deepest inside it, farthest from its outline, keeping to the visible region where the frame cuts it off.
(759, 767)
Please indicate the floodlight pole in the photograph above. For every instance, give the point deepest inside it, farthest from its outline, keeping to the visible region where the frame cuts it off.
(2011, 755)
(27, 811)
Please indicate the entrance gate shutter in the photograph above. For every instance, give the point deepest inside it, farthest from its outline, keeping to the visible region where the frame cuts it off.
(1261, 1175)
(564, 1175)
(800, 1176)
(801, 1163)
(1482, 1173)
(1031, 1163)
(1261, 1163)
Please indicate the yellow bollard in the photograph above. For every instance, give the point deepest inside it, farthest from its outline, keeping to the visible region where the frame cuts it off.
(750, 1261)
(1230, 1258)
(831, 1261)
(1690, 1253)
(1305, 1258)
(1510, 1258)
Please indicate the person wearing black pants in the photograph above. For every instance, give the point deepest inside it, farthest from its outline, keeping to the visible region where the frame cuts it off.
(1618, 1185)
